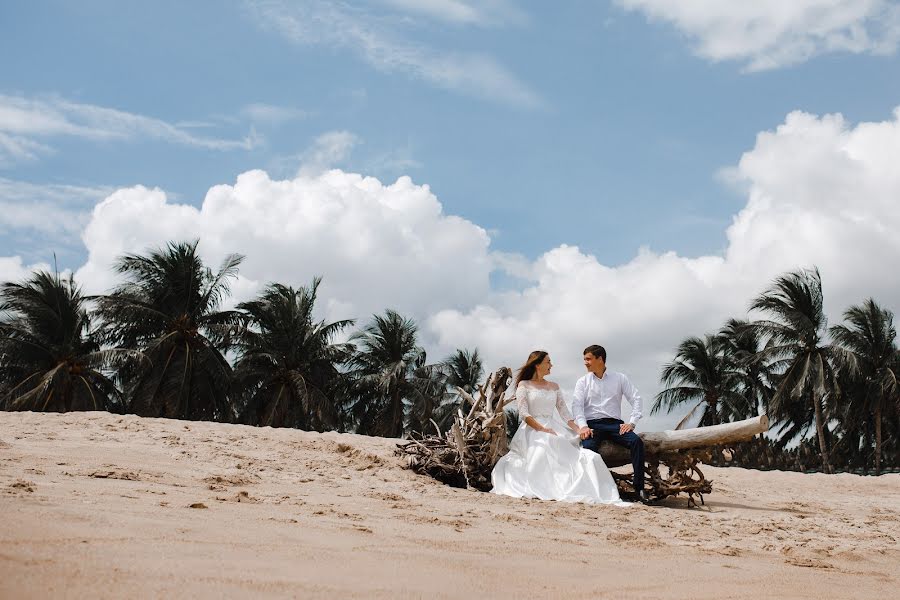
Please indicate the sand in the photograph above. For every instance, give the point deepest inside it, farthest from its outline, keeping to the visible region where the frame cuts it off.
(108, 506)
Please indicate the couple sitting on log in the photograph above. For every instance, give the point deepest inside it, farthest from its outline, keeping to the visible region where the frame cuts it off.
(545, 459)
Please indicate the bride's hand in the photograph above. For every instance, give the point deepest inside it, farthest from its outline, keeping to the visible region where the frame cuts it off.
(548, 430)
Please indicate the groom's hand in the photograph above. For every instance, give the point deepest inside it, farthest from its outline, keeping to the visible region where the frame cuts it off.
(625, 428)
(585, 432)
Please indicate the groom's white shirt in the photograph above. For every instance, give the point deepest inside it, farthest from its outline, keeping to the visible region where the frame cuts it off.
(601, 398)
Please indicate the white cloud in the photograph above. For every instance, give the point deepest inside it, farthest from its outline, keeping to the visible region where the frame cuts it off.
(22, 120)
(61, 211)
(13, 269)
(454, 11)
(270, 114)
(768, 34)
(376, 245)
(16, 149)
(370, 36)
(483, 13)
(328, 150)
(820, 191)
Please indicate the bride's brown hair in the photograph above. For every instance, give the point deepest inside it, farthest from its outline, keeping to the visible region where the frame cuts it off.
(526, 371)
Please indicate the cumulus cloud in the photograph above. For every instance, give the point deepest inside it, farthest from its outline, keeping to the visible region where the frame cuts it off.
(12, 268)
(820, 191)
(25, 120)
(376, 245)
(768, 34)
(372, 37)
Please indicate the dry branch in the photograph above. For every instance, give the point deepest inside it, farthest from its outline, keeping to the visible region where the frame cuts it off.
(466, 454)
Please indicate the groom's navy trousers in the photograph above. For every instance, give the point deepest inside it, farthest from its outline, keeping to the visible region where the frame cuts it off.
(608, 429)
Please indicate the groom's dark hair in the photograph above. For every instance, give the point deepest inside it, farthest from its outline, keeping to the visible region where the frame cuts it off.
(597, 351)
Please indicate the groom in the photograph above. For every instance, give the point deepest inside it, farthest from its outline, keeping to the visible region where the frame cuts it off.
(597, 408)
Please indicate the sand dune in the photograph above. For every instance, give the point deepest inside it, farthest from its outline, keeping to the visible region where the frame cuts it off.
(108, 506)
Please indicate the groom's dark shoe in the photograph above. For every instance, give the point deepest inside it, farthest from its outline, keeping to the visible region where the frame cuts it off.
(644, 497)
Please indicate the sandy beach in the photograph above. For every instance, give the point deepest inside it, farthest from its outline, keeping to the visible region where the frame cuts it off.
(108, 506)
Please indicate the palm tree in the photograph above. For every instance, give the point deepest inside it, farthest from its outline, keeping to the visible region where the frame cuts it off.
(464, 369)
(431, 400)
(866, 350)
(794, 334)
(168, 310)
(287, 364)
(752, 375)
(698, 373)
(48, 360)
(390, 379)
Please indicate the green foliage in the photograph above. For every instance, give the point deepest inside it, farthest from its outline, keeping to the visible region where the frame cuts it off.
(286, 374)
(48, 359)
(700, 372)
(784, 365)
(867, 355)
(391, 389)
(795, 332)
(162, 340)
(168, 310)
(462, 369)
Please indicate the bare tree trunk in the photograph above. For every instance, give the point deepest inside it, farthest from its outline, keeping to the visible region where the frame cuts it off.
(658, 444)
(820, 430)
(878, 440)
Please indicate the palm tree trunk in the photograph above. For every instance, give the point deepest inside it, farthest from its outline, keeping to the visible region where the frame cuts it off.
(713, 402)
(396, 413)
(878, 440)
(867, 439)
(820, 430)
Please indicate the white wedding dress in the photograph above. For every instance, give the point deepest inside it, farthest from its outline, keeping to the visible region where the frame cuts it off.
(551, 467)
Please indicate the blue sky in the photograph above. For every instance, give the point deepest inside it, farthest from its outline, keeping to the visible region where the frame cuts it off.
(642, 166)
(619, 148)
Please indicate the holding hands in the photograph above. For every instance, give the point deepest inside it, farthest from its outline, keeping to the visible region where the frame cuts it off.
(586, 432)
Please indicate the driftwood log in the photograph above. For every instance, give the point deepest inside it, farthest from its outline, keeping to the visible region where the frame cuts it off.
(681, 451)
(465, 455)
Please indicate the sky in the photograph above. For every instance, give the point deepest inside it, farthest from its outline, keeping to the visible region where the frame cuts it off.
(512, 175)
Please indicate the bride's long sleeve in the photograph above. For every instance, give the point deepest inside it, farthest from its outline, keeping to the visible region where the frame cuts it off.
(522, 401)
(564, 411)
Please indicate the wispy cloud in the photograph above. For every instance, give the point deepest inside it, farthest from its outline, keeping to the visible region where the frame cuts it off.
(24, 121)
(374, 39)
(484, 13)
(270, 114)
(327, 151)
(775, 33)
(16, 148)
(57, 210)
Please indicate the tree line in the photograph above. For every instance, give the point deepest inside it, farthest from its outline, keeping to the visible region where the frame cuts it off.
(839, 383)
(160, 345)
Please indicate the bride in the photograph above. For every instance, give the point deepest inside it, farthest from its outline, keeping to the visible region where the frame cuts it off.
(545, 459)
